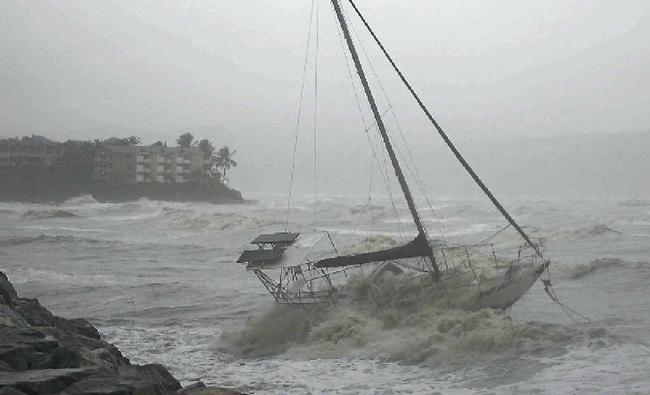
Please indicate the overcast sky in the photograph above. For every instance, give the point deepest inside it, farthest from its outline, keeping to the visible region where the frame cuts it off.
(230, 71)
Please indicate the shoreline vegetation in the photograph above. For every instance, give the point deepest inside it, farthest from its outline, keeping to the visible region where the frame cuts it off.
(28, 176)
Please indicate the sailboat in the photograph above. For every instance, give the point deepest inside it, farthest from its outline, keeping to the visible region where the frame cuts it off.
(304, 269)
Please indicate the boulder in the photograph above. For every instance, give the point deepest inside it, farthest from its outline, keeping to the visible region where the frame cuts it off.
(11, 318)
(8, 293)
(41, 353)
(22, 349)
(10, 391)
(45, 381)
(132, 379)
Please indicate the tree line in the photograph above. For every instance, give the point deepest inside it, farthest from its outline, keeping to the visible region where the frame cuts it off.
(217, 162)
(79, 156)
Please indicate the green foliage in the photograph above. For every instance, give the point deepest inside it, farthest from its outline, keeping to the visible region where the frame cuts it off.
(207, 148)
(225, 161)
(185, 140)
(78, 160)
(133, 140)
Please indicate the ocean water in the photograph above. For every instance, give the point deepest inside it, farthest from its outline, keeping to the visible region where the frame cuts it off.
(159, 280)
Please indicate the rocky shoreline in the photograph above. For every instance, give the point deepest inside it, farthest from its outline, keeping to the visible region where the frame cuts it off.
(43, 187)
(41, 353)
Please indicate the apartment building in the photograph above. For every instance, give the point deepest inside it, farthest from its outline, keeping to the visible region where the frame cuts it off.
(34, 151)
(140, 164)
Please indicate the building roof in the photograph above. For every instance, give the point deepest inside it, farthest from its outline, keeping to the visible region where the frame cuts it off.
(40, 140)
(29, 140)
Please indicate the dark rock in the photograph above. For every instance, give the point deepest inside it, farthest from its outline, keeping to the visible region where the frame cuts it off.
(79, 326)
(61, 358)
(153, 373)
(47, 381)
(5, 367)
(97, 386)
(34, 312)
(41, 353)
(11, 318)
(7, 291)
(23, 349)
(131, 379)
(10, 391)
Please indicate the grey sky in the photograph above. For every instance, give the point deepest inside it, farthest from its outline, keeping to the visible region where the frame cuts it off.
(230, 71)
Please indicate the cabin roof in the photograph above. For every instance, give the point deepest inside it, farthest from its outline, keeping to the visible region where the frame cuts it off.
(274, 238)
(260, 256)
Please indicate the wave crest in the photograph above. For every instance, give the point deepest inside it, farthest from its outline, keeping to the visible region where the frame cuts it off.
(13, 241)
(583, 270)
(82, 200)
(46, 214)
(585, 232)
(427, 335)
(182, 219)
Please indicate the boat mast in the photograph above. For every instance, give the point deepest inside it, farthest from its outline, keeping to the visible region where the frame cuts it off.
(444, 136)
(384, 135)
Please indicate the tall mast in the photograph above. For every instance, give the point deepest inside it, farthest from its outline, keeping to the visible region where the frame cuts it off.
(382, 130)
(444, 136)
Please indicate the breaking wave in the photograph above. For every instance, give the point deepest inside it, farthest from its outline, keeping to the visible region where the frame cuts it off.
(414, 326)
(428, 335)
(50, 213)
(183, 219)
(82, 200)
(583, 233)
(13, 241)
(371, 212)
(583, 270)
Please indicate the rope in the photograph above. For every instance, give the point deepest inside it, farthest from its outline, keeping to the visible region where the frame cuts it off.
(414, 172)
(382, 169)
(295, 141)
(495, 234)
(570, 312)
(316, 115)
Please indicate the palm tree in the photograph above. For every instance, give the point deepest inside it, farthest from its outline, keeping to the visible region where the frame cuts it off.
(185, 140)
(225, 161)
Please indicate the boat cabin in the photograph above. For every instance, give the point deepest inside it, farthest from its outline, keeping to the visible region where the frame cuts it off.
(270, 248)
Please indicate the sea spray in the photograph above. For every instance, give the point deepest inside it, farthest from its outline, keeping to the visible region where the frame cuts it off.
(419, 332)
(182, 219)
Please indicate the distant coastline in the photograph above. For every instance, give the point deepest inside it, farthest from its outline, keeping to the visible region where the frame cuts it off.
(38, 170)
(33, 187)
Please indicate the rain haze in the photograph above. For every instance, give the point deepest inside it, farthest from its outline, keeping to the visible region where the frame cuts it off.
(246, 195)
(515, 84)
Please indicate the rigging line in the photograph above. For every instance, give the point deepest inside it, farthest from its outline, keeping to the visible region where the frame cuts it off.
(416, 174)
(316, 114)
(382, 171)
(374, 124)
(385, 137)
(495, 234)
(550, 291)
(444, 136)
(295, 141)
